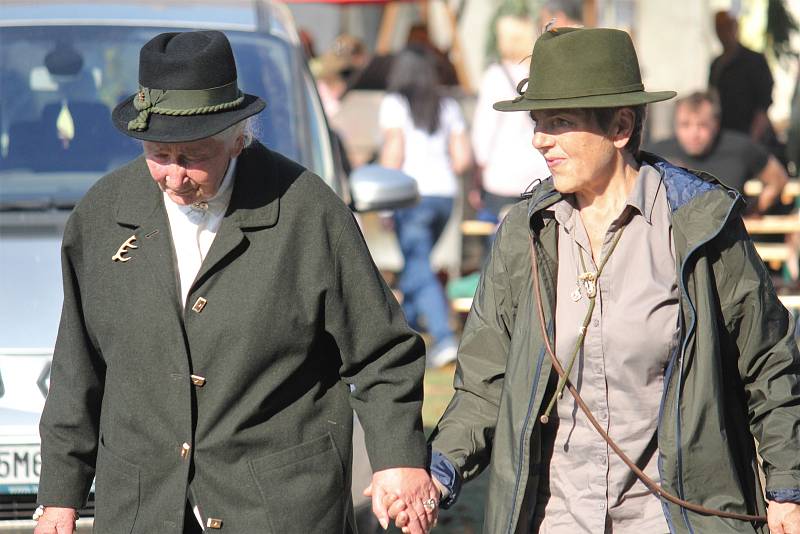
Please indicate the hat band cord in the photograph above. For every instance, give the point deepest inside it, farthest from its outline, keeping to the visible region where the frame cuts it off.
(600, 91)
(183, 102)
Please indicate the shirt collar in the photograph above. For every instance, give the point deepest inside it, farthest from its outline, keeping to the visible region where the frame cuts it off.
(642, 198)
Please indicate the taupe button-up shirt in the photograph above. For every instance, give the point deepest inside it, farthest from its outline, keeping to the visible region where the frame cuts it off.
(619, 372)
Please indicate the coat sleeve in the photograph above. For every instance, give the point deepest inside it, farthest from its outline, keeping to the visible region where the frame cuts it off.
(465, 432)
(382, 358)
(768, 359)
(70, 420)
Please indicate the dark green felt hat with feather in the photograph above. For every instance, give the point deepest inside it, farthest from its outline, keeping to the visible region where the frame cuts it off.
(583, 68)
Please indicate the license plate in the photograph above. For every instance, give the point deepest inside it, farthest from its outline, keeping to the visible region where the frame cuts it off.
(20, 464)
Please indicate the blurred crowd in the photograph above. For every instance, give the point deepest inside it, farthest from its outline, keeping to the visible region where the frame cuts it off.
(724, 130)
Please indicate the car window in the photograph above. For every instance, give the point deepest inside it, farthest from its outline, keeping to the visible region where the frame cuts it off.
(58, 85)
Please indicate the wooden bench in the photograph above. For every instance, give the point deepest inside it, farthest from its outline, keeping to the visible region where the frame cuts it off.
(773, 252)
(773, 224)
(791, 190)
(790, 301)
(461, 305)
(478, 228)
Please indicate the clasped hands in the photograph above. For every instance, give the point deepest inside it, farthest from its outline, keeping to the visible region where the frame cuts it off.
(407, 495)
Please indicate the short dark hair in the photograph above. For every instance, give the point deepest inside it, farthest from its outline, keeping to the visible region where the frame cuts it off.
(697, 99)
(603, 118)
(571, 8)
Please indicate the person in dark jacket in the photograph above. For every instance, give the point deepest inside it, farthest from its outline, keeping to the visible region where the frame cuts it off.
(700, 143)
(222, 318)
(630, 284)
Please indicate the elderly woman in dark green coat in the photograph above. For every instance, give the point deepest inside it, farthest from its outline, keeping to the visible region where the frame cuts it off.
(624, 312)
(222, 319)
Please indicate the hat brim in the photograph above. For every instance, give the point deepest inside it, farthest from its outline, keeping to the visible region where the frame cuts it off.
(594, 101)
(182, 129)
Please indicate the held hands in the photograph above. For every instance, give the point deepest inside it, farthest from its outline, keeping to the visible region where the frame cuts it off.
(56, 520)
(397, 508)
(408, 490)
(783, 517)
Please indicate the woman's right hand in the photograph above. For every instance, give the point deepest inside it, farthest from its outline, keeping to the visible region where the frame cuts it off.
(56, 520)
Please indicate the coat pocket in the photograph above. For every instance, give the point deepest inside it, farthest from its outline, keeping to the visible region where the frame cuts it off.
(116, 493)
(303, 487)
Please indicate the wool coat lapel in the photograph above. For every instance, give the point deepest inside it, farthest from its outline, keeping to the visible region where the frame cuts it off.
(140, 207)
(255, 204)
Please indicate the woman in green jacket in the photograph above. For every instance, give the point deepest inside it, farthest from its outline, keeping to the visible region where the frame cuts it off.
(636, 282)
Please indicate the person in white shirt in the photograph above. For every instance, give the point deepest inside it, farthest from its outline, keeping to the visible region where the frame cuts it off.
(424, 135)
(505, 164)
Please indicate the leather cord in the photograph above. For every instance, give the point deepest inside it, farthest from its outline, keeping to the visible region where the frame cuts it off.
(651, 484)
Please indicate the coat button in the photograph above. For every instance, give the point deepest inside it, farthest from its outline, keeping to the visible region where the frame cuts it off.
(185, 448)
(198, 381)
(214, 523)
(199, 304)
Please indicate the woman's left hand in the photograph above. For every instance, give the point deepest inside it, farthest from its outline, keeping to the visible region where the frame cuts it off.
(783, 517)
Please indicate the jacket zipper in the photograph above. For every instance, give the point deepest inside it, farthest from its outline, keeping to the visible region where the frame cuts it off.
(684, 345)
(667, 378)
(524, 436)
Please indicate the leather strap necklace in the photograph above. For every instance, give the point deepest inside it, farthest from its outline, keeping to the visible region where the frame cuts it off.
(564, 381)
(590, 280)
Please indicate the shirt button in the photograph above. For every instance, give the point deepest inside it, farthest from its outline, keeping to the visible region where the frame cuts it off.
(595, 323)
(198, 380)
(185, 448)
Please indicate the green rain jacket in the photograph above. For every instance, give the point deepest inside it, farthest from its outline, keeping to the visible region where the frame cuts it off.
(733, 377)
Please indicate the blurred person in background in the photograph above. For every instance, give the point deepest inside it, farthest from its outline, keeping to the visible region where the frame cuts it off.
(307, 42)
(743, 82)
(328, 70)
(353, 55)
(793, 137)
(504, 168)
(565, 13)
(425, 136)
(701, 143)
(419, 36)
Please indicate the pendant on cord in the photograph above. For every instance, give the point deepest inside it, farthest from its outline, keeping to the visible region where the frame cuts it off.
(589, 280)
(576, 295)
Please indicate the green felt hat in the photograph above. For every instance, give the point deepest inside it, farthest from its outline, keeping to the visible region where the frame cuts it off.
(583, 68)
